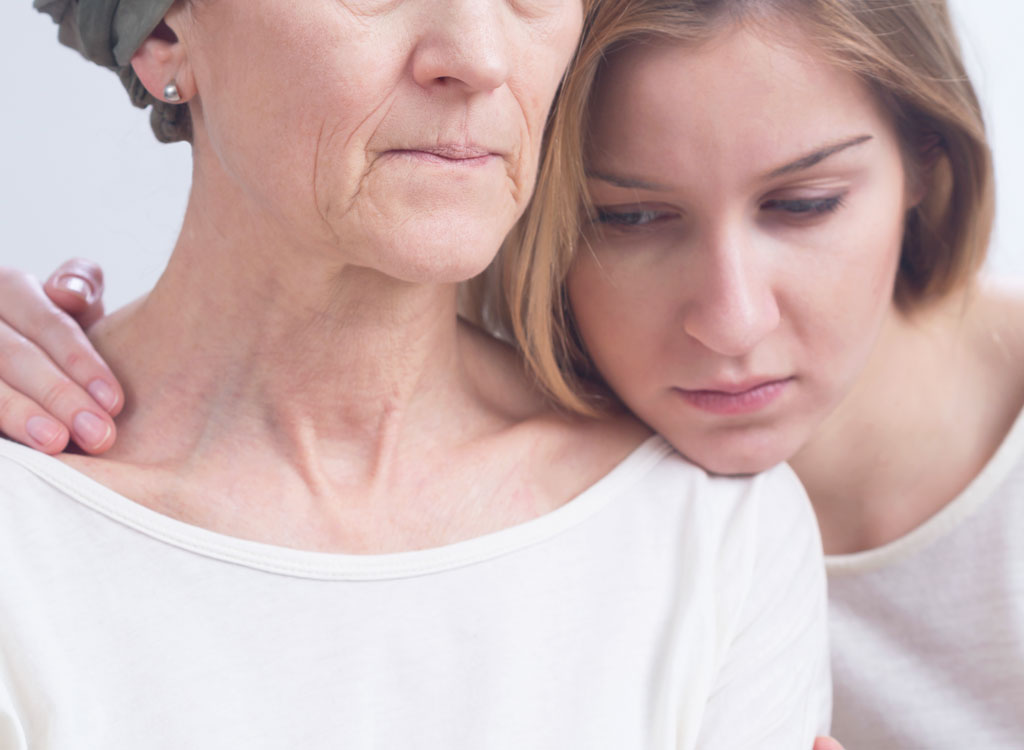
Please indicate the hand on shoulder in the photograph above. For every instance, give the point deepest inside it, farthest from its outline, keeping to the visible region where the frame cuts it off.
(54, 387)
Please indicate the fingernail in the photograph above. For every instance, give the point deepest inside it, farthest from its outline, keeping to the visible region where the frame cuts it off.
(105, 395)
(90, 429)
(43, 430)
(75, 285)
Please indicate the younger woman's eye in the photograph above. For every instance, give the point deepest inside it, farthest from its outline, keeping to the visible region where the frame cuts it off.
(633, 217)
(804, 206)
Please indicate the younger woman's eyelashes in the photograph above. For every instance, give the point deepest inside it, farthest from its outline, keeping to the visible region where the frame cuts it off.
(804, 206)
(638, 217)
(629, 216)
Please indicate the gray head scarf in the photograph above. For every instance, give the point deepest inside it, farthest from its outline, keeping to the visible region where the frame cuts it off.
(108, 32)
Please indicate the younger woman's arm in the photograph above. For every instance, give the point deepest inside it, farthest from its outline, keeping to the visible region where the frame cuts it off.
(53, 385)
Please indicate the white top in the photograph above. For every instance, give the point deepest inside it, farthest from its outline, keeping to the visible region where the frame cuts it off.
(659, 609)
(928, 631)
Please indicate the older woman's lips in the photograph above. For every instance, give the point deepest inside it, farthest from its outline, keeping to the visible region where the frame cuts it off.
(743, 399)
(450, 155)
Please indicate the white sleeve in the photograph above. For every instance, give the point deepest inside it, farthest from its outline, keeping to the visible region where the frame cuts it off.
(12, 736)
(773, 687)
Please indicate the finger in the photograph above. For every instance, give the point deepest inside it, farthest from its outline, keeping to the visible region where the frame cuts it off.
(23, 420)
(77, 288)
(826, 743)
(28, 312)
(28, 370)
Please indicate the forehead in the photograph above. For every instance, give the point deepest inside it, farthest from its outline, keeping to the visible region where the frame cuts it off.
(743, 98)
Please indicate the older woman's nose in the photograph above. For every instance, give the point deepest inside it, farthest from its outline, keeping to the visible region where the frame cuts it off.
(732, 305)
(466, 42)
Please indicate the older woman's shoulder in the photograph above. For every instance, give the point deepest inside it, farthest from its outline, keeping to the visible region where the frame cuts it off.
(41, 504)
(22, 470)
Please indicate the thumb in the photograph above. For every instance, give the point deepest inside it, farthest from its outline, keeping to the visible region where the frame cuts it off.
(76, 287)
(826, 743)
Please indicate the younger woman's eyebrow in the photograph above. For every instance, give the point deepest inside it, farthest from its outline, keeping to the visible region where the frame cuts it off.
(625, 182)
(806, 162)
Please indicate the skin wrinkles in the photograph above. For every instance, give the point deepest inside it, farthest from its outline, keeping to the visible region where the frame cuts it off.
(516, 185)
(372, 122)
(322, 212)
(347, 167)
(295, 103)
(364, 187)
(519, 174)
(324, 205)
(543, 16)
(516, 170)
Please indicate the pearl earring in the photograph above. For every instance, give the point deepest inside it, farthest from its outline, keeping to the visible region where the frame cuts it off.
(171, 93)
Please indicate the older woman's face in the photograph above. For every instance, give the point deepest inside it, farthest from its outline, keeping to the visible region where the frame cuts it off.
(402, 134)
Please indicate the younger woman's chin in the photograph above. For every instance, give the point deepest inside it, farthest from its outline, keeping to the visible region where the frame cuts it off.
(739, 454)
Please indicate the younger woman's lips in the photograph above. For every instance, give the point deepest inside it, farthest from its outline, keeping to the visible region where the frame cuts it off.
(746, 401)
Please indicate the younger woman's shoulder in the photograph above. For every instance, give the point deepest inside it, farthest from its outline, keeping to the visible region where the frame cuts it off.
(1000, 311)
(999, 332)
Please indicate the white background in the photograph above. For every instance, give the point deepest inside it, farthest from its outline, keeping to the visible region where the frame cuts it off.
(83, 175)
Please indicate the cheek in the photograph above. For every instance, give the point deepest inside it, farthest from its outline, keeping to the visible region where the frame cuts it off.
(839, 308)
(290, 121)
(342, 154)
(616, 320)
(586, 298)
(537, 73)
(594, 308)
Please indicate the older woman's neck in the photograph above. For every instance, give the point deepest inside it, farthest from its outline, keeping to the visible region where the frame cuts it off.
(245, 337)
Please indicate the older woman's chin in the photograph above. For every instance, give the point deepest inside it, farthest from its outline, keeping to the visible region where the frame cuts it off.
(443, 246)
(430, 254)
(423, 222)
(439, 265)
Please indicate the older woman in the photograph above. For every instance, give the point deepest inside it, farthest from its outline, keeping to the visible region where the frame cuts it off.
(337, 516)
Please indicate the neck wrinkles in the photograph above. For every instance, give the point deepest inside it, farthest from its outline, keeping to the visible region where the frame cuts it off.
(250, 335)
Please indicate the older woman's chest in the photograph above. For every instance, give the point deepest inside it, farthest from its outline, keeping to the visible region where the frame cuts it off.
(112, 639)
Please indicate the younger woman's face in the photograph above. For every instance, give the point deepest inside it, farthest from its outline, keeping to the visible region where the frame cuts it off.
(750, 200)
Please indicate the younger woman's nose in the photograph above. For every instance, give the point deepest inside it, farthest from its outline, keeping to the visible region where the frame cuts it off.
(733, 306)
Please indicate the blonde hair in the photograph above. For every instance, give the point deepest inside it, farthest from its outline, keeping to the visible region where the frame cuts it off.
(906, 51)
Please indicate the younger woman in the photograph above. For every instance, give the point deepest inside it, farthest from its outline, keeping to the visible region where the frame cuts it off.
(781, 208)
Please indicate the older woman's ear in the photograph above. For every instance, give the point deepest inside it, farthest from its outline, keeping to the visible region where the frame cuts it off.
(162, 66)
